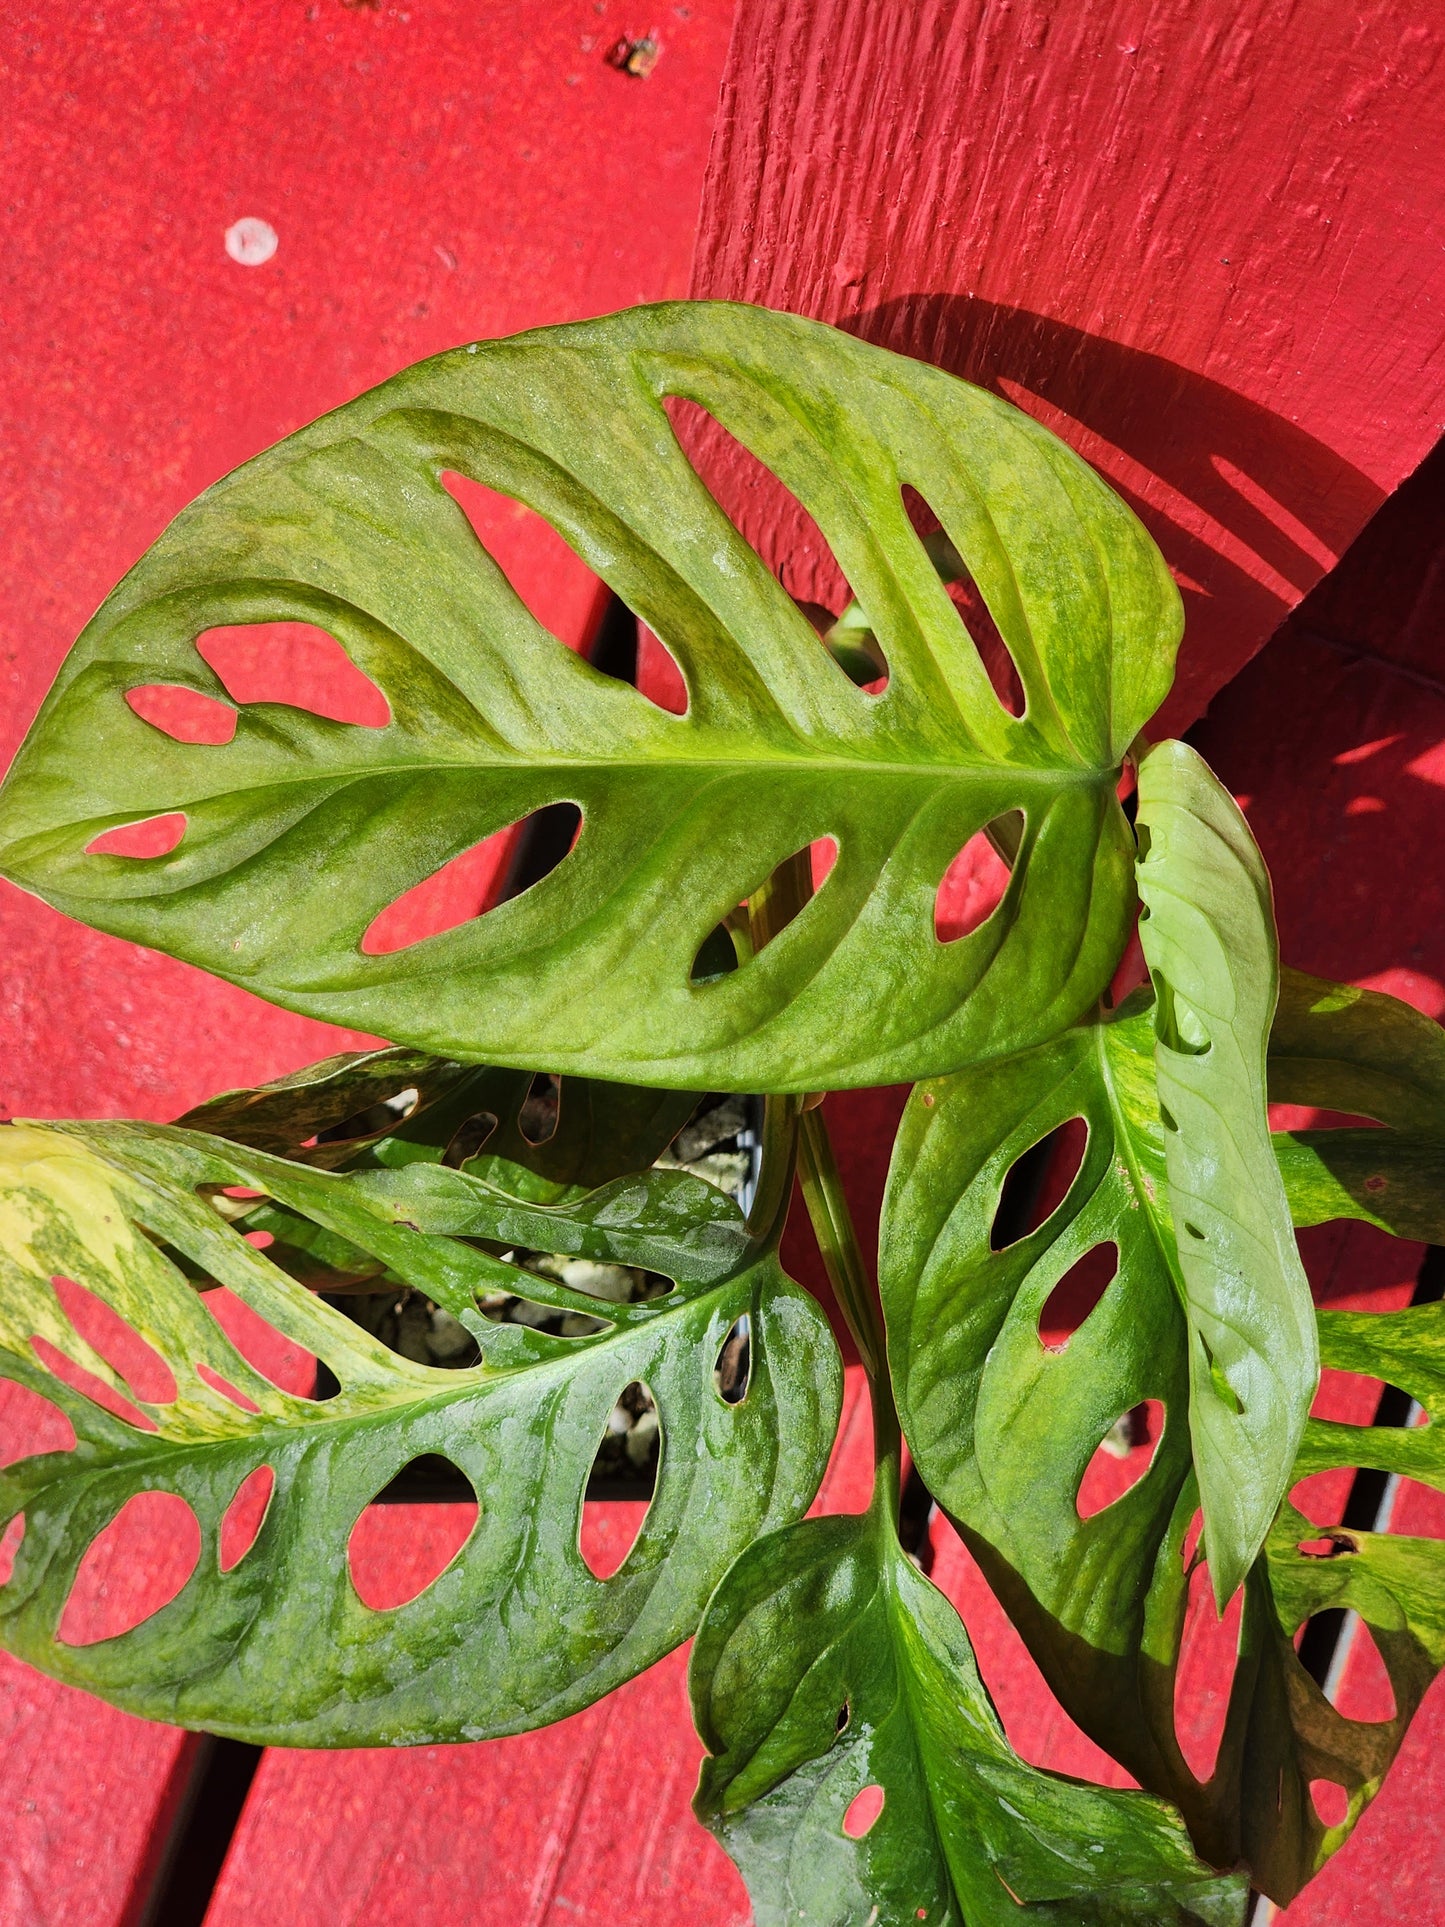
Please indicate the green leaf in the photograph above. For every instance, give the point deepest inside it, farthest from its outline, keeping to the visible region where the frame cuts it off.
(1344, 1049)
(300, 831)
(345, 1113)
(1395, 1584)
(827, 1664)
(517, 1631)
(1003, 1428)
(1207, 928)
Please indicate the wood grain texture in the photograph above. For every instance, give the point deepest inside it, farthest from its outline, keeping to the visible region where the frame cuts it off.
(1201, 242)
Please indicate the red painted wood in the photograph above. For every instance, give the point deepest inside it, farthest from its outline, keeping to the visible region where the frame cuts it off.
(1203, 244)
(435, 172)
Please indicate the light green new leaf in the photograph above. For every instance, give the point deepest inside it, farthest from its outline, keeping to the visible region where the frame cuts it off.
(300, 831)
(1207, 928)
(827, 1664)
(517, 1631)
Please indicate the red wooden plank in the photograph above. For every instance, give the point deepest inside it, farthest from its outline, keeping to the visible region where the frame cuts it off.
(1203, 244)
(434, 173)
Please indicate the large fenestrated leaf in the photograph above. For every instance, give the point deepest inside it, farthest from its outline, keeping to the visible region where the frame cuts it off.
(1003, 1427)
(517, 1631)
(1207, 929)
(827, 1664)
(301, 830)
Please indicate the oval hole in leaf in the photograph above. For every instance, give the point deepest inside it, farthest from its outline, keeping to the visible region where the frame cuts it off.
(755, 500)
(183, 713)
(466, 886)
(244, 1516)
(1076, 1295)
(297, 664)
(1323, 1496)
(30, 1424)
(278, 1359)
(541, 1110)
(717, 957)
(1207, 1658)
(1122, 1457)
(103, 1328)
(626, 1464)
(468, 1138)
(152, 836)
(973, 885)
(863, 1811)
(544, 572)
(10, 1545)
(822, 855)
(659, 678)
(964, 594)
(396, 1552)
(1365, 1692)
(374, 1120)
(133, 1567)
(93, 1388)
(1330, 1802)
(733, 1370)
(1037, 1182)
(225, 1387)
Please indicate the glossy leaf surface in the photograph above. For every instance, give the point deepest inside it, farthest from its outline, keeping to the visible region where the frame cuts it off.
(516, 1631)
(1003, 1426)
(1207, 929)
(828, 1665)
(300, 831)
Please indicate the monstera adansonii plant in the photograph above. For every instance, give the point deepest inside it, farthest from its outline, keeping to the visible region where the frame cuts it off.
(676, 951)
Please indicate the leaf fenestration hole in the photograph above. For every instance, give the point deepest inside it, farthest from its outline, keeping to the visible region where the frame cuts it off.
(395, 1552)
(466, 886)
(659, 678)
(973, 885)
(1365, 1690)
(374, 1120)
(1208, 1655)
(184, 714)
(30, 1424)
(1178, 1024)
(845, 1713)
(225, 1387)
(150, 837)
(1330, 1801)
(732, 1373)
(627, 1461)
(277, 1359)
(468, 1138)
(863, 1811)
(541, 1110)
(132, 1568)
(129, 1355)
(543, 570)
(91, 1387)
(1076, 1296)
(244, 1516)
(717, 956)
(296, 664)
(964, 594)
(10, 1545)
(1121, 1458)
(1037, 1182)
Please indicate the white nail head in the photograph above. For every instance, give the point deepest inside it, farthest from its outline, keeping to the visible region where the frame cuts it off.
(251, 241)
